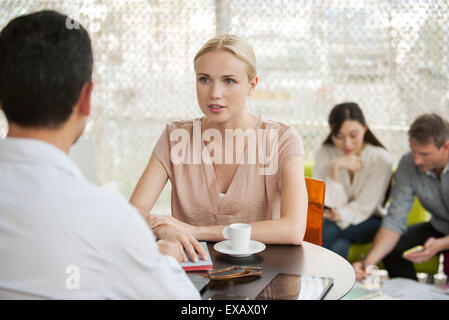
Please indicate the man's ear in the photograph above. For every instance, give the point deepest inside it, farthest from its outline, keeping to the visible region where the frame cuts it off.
(445, 145)
(85, 97)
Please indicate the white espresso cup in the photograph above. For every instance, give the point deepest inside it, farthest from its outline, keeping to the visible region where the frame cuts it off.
(239, 234)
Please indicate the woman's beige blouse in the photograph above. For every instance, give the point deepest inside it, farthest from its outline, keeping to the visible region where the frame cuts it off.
(254, 193)
(359, 199)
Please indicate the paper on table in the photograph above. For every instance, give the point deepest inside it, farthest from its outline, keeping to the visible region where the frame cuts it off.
(407, 289)
(359, 293)
(201, 264)
(442, 288)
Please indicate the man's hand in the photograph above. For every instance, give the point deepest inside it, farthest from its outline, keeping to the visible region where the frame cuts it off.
(360, 272)
(186, 240)
(171, 248)
(431, 248)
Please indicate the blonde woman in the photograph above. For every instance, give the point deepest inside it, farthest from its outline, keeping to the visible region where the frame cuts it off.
(218, 164)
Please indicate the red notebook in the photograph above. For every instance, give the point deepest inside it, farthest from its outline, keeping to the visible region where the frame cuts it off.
(201, 264)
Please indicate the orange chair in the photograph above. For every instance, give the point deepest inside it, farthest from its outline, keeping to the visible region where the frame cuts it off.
(314, 227)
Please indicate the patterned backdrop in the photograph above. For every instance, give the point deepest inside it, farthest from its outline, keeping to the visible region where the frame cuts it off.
(391, 57)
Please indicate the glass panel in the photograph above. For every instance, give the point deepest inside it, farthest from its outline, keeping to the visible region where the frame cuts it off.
(391, 57)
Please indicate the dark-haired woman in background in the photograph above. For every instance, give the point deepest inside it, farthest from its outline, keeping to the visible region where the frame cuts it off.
(357, 170)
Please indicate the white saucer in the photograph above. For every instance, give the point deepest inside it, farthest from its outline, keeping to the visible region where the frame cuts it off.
(225, 247)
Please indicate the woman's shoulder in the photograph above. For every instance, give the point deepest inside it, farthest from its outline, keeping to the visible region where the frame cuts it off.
(283, 129)
(378, 154)
(270, 123)
(326, 151)
(183, 124)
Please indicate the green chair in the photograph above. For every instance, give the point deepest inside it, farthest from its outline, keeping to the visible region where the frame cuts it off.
(417, 214)
(308, 168)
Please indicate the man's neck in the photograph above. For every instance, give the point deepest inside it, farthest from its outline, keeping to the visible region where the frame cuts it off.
(440, 169)
(56, 137)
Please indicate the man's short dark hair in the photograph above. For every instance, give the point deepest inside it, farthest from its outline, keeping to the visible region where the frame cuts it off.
(44, 63)
(430, 128)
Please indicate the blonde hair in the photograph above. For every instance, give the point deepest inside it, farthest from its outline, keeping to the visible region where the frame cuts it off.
(235, 45)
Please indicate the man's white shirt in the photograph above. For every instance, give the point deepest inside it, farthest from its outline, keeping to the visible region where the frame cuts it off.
(61, 237)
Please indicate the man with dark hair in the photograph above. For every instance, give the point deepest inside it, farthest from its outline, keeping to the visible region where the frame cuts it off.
(423, 173)
(44, 69)
(60, 236)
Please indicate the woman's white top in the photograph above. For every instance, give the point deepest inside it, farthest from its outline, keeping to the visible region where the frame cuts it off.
(359, 199)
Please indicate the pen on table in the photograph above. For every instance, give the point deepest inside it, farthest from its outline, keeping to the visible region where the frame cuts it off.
(363, 261)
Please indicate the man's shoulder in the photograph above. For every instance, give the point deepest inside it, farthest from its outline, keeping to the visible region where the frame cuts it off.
(406, 161)
(111, 201)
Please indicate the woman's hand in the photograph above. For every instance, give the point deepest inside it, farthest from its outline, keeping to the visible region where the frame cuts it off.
(187, 240)
(349, 162)
(156, 220)
(331, 215)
